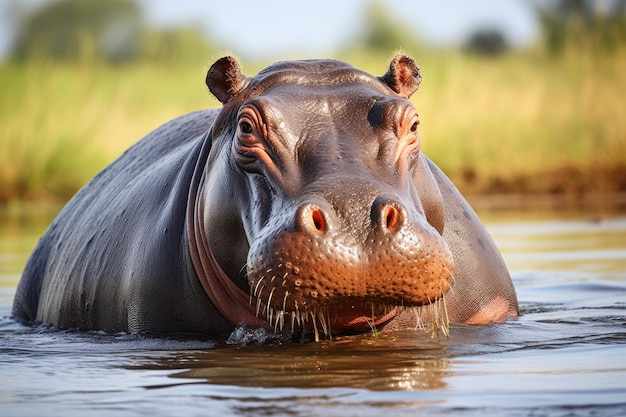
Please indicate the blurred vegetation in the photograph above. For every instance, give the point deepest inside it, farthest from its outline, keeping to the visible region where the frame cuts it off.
(75, 29)
(550, 119)
(103, 31)
(381, 33)
(583, 25)
(487, 41)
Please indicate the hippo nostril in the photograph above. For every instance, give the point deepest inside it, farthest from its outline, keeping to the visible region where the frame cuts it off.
(312, 218)
(388, 214)
(391, 217)
(318, 220)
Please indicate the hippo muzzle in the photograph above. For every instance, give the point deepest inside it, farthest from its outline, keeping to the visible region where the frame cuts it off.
(349, 265)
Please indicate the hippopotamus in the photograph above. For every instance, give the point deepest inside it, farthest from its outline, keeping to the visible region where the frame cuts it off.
(304, 204)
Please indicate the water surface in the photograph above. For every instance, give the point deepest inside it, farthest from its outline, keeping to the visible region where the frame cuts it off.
(565, 356)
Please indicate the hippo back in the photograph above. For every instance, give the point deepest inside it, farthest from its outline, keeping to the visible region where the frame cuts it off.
(115, 257)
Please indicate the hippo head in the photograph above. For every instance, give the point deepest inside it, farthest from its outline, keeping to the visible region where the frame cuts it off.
(316, 205)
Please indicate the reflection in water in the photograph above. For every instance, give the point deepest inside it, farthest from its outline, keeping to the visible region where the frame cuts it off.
(354, 362)
(574, 251)
(563, 356)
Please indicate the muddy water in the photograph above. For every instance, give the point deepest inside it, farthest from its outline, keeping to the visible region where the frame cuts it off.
(566, 355)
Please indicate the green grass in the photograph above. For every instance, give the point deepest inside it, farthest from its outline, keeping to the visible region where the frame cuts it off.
(521, 123)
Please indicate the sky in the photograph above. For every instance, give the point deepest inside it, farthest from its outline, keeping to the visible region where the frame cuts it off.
(317, 28)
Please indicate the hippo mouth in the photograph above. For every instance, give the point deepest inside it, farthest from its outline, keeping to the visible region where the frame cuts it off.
(352, 317)
(335, 318)
(359, 316)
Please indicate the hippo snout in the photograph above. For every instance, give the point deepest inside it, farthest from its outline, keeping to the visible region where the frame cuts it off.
(349, 268)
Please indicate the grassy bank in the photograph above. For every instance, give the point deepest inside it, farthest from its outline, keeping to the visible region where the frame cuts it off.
(520, 123)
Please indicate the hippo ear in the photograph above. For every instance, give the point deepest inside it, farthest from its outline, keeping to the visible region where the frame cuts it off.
(404, 76)
(225, 79)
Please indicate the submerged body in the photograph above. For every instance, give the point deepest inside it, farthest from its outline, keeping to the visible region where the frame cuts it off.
(304, 200)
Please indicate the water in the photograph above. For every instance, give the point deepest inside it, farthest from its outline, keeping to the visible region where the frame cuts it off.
(565, 356)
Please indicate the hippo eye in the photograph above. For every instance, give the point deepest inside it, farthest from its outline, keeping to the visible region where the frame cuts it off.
(245, 127)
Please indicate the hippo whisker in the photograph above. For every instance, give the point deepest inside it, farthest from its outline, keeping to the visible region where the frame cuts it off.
(273, 318)
(256, 287)
(439, 317)
(417, 313)
(444, 308)
(298, 315)
(321, 316)
(285, 300)
(445, 283)
(450, 277)
(293, 320)
(269, 300)
(269, 316)
(317, 335)
(277, 319)
(259, 301)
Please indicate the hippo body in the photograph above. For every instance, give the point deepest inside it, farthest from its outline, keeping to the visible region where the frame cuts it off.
(304, 201)
(111, 259)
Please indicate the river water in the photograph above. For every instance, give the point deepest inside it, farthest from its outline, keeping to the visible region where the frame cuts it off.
(565, 356)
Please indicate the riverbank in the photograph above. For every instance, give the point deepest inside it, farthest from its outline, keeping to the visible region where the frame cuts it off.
(597, 206)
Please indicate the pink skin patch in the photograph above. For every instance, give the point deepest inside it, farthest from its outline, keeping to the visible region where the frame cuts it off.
(498, 310)
(357, 317)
